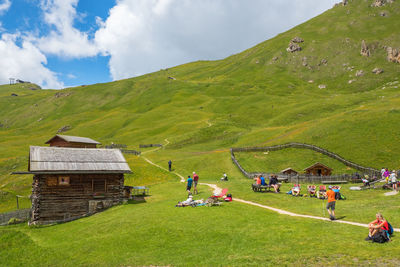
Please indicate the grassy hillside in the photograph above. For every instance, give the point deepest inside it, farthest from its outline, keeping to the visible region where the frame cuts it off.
(262, 96)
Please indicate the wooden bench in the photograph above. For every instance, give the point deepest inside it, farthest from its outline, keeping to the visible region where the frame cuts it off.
(140, 190)
(334, 182)
(261, 188)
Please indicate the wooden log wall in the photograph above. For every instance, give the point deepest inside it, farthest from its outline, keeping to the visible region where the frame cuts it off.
(54, 203)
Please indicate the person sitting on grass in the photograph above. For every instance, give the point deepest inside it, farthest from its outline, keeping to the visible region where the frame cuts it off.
(378, 226)
(336, 189)
(296, 190)
(273, 181)
(312, 190)
(258, 180)
(321, 194)
(365, 181)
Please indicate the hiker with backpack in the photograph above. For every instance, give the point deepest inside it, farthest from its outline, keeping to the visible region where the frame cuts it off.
(330, 206)
(380, 230)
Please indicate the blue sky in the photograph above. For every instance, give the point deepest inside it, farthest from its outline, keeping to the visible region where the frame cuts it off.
(62, 43)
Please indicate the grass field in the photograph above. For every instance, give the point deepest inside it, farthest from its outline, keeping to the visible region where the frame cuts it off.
(157, 233)
(259, 97)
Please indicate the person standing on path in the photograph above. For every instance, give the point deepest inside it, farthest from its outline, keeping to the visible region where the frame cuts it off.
(195, 180)
(331, 203)
(189, 184)
(393, 180)
(169, 165)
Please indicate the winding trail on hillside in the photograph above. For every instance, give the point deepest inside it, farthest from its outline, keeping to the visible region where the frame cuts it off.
(217, 190)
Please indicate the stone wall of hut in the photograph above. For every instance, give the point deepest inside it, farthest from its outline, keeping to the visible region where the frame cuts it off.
(58, 198)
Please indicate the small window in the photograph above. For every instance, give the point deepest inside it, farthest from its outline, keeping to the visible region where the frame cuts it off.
(52, 181)
(63, 180)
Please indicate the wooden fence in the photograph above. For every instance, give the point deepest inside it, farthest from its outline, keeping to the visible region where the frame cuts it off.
(129, 151)
(150, 145)
(303, 177)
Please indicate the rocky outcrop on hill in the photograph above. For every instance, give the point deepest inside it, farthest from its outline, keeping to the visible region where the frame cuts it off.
(379, 3)
(62, 94)
(393, 55)
(359, 73)
(364, 49)
(64, 129)
(294, 45)
(377, 71)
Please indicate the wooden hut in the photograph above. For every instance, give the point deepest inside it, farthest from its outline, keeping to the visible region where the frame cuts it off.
(289, 171)
(69, 183)
(72, 141)
(318, 169)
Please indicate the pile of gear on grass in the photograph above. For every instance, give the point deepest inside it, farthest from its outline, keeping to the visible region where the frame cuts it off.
(214, 200)
(312, 191)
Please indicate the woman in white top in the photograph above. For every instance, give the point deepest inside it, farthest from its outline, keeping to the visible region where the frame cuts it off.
(393, 179)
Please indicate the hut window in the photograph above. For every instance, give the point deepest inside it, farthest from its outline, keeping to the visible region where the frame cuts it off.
(99, 186)
(52, 181)
(63, 180)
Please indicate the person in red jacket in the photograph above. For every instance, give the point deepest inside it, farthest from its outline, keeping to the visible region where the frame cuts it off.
(195, 180)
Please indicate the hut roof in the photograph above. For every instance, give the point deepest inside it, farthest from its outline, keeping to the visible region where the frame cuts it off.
(74, 139)
(76, 160)
(288, 169)
(316, 165)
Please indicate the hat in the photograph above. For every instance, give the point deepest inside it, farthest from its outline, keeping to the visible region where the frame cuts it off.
(194, 172)
(330, 187)
(393, 171)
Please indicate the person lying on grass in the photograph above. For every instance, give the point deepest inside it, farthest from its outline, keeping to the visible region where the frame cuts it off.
(377, 226)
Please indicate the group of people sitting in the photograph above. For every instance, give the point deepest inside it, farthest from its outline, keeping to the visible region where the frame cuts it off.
(273, 182)
(312, 191)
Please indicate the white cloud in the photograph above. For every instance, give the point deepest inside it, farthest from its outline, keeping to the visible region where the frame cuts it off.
(142, 36)
(65, 40)
(25, 62)
(4, 6)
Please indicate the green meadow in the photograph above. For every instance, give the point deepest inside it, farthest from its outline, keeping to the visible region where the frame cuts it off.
(260, 97)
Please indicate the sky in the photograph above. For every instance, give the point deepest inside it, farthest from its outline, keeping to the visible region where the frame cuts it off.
(63, 43)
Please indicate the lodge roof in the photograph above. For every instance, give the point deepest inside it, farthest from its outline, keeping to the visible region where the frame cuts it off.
(74, 139)
(288, 169)
(76, 160)
(317, 164)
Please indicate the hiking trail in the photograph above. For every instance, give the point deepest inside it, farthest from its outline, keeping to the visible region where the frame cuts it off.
(217, 190)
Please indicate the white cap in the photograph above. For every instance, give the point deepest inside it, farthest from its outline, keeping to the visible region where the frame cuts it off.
(194, 172)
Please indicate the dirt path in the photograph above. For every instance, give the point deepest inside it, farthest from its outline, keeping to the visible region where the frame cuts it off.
(217, 190)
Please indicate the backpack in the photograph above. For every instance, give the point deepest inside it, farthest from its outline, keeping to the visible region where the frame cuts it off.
(390, 231)
(380, 237)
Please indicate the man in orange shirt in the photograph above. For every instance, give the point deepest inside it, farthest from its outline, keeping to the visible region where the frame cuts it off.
(331, 203)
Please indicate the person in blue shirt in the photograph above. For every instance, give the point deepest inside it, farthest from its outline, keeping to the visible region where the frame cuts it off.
(262, 180)
(189, 184)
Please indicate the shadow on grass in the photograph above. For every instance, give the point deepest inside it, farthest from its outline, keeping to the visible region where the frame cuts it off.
(138, 199)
